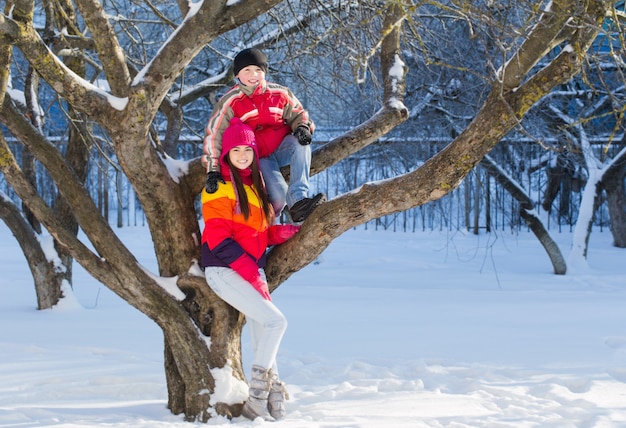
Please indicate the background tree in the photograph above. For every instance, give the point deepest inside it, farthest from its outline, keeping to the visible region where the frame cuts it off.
(128, 107)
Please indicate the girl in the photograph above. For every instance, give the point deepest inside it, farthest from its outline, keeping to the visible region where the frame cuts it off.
(236, 234)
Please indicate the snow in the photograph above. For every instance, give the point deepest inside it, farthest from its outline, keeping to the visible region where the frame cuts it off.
(194, 7)
(425, 329)
(175, 167)
(46, 243)
(396, 72)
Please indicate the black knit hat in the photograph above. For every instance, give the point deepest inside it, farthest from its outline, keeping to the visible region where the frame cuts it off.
(249, 57)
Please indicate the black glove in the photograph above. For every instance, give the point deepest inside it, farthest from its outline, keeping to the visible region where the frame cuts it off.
(211, 181)
(303, 135)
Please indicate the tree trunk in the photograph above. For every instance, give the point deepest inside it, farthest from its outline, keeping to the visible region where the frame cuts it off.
(613, 185)
(584, 223)
(527, 212)
(47, 279)
(617, 211)
(553, 186)
(477, 194)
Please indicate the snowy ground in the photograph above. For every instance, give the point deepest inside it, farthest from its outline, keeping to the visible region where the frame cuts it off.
(429, 329)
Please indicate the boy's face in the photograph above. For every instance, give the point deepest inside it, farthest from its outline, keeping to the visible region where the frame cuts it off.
(251, 75)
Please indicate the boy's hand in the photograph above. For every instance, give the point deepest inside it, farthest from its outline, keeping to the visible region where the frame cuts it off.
(212, 179)
(303, 135)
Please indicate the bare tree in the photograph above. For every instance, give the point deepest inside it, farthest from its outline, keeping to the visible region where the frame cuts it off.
(127, 109)
(52, 275)
(527, 212)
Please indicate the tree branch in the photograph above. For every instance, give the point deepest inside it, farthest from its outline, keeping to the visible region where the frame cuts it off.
(544, 37)
(358, 137)
(5, 66)
(77, 91)
(9, 30)
(197, 29)
(112, 254)
(111, 54)
(29, 195)
(442, 173)
(528, 213)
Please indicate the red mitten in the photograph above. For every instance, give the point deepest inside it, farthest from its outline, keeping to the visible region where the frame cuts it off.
(249, 270)
(261, 286)
(280, 233)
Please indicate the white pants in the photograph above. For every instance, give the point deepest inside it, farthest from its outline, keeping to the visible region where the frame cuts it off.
(266, 323)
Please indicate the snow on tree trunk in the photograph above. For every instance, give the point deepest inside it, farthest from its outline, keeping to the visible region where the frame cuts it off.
(577, 259)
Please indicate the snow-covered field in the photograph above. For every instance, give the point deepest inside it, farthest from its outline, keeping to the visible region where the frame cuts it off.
(429, 329)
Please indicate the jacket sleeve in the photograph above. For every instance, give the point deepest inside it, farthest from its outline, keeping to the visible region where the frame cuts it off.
(217, 212)
(295, 115)
(212, 143)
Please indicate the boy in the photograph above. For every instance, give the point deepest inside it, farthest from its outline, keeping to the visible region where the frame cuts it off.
(282, 128)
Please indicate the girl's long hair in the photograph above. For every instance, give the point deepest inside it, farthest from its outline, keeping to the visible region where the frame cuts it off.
(257, 184)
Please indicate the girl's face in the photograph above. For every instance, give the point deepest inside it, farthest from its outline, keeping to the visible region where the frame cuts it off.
(241, 156)
(251, 75)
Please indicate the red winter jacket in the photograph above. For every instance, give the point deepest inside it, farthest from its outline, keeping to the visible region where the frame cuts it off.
(271, 110)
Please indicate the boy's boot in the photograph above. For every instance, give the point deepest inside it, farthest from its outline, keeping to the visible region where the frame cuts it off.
(258, 393)
(278, 395)
(304, 207)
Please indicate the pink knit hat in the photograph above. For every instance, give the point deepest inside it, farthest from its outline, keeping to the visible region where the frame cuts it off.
(238, 134)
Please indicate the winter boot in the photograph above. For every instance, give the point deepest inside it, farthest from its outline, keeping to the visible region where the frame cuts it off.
(278, 395)
(257, 406)
(304, 207)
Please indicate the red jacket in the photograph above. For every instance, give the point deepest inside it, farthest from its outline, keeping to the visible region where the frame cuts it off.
(271, 110)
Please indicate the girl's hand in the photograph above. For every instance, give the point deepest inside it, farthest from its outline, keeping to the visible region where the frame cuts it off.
(280, 233)
(261, 286)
